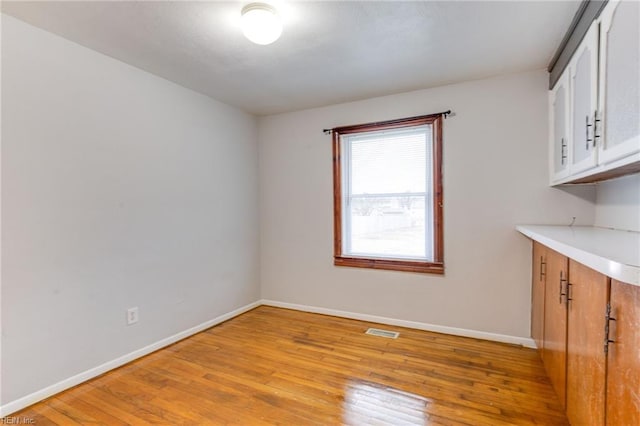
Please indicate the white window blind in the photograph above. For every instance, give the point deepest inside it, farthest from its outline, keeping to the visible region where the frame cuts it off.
(388, 193)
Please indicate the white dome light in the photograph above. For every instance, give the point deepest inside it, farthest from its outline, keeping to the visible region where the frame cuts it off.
(261, 23)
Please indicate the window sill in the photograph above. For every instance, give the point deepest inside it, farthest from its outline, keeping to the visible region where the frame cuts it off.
(391, 264)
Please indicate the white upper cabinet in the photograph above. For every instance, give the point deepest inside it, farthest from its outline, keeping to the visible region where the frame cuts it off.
(619, 80)
(594, 108)
(584, 102)
(559, 128)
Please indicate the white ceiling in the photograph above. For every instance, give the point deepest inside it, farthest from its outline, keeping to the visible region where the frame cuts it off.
(329, 52)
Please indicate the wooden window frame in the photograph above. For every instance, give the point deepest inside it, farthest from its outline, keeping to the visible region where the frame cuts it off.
(434, 267)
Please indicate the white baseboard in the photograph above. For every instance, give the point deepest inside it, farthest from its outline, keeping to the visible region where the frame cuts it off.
(526, 342)
(19, 404)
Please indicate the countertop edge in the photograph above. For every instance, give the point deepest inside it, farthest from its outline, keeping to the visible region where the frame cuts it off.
(627, 274)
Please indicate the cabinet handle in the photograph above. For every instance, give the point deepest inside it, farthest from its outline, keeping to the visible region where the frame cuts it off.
(563, 151)
(562, 280)
(607, 320)
(568, 299)
(542, 263)
(596, 127)
(587, 133)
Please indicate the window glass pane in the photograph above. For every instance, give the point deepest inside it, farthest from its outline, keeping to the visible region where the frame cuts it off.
(389, 227)
(393, 161)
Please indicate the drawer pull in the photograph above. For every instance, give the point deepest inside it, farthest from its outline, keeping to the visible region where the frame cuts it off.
(587, 133)
(607, 320)
(562, 293)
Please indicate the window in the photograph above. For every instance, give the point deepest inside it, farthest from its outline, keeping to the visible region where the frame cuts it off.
(388, 195)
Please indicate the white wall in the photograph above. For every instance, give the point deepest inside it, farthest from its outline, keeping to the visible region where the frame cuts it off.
(119, 189)
(495, 152)
(618, 203)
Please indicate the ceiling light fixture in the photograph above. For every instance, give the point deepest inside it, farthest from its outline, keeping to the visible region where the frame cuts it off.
(261, 23)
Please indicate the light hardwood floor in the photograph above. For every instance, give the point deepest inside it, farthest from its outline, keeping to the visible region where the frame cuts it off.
(274, 366)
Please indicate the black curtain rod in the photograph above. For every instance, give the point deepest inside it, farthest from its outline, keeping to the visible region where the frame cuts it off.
(443, 113)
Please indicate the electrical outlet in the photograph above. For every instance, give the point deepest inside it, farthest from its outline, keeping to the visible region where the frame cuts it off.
(132, 315)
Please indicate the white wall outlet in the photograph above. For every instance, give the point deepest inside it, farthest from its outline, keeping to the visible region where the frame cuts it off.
(132, 315)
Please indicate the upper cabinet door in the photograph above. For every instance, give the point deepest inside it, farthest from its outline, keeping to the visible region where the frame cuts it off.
(584, 102)
(619, 135)
(559, 129)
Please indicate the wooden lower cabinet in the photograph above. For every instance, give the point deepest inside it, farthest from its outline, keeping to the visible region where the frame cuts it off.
(587, 327)
(537, 295)
(586, 358)
(555, 322)
(623, 358)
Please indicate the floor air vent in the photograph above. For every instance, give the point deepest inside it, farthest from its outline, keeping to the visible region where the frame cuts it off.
(383, 333)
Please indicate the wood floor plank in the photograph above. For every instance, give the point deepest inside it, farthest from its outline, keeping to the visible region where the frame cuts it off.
(274, 366)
